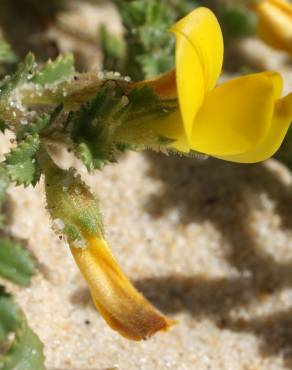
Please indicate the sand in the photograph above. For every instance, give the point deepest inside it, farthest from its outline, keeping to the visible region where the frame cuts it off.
(208, 242)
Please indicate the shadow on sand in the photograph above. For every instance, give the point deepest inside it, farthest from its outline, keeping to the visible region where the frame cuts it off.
(217, 191)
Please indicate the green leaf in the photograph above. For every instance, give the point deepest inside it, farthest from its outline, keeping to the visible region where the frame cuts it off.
(21, 163)
(8, 315)
(60, 69)
(16, 263)
(22, 75)
(26, 350)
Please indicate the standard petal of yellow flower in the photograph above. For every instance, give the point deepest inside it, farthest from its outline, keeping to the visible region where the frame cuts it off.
(237, 115)
(121, 305)
(199, 56)
(275, 23)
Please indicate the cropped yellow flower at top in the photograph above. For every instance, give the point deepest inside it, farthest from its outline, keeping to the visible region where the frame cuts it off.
(242, 120)
(275, 23)
(121, 305)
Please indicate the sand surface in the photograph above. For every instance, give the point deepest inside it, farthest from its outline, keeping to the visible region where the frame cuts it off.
(208, 242)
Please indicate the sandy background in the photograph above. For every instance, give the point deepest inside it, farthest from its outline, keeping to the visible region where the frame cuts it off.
(210, 243)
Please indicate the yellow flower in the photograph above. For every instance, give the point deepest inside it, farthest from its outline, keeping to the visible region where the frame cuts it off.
(275, 23)
(121, 305)
(241, 120)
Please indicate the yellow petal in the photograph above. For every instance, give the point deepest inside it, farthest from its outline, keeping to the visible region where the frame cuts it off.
(280, 124)
(275, 23)
(121, 305)
(237, 115)
(199, 56)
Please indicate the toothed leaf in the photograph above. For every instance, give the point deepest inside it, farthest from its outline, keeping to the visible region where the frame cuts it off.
(55, 71)
(21, 163)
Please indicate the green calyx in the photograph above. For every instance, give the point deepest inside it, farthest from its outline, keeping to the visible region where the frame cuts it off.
(74, 210)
